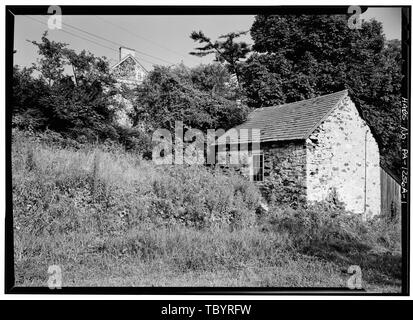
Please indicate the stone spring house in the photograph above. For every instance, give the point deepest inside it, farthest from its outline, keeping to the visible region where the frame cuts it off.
(322, 146)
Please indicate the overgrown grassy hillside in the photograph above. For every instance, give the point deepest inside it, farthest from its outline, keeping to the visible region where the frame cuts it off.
(108, 218)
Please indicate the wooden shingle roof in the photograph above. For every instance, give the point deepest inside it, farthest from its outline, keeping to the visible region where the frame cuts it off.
(292, 121)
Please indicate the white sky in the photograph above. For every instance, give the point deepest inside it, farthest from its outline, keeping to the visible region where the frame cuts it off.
(159, 39)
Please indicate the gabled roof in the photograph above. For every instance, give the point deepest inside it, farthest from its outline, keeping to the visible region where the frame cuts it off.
(292, 121)
(127, 57)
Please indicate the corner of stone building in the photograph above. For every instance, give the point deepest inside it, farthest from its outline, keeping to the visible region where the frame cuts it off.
(343, 156)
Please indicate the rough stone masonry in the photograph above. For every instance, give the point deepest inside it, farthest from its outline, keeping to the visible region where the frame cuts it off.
(342, 154)
(331, 153)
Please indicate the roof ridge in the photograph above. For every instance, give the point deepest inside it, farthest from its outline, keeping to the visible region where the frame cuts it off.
(296, 120)
(299, 101)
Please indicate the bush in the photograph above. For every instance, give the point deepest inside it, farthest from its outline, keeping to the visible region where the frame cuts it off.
(203, 198)
(280, 191)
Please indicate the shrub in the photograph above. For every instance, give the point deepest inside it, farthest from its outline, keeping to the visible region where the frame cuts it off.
(202, 198)
(280, 191)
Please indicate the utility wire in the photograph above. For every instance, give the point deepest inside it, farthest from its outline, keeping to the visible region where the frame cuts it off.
(141, 37)
(113, 42)
(76, 35)
(92, 41)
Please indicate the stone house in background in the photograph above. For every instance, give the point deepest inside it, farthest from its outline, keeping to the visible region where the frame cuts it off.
(128, 72)
(321, 146)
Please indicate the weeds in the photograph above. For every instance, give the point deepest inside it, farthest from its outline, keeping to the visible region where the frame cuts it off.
(109, 219)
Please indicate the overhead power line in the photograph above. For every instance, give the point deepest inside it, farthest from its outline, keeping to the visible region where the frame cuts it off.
(75, 35)
(92, 41)
(113, 42)
(143, 38)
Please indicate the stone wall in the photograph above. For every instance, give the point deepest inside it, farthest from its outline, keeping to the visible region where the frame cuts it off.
(339, 161)
(284, 169)
(343, 160)
(129, 72)
(285, 161)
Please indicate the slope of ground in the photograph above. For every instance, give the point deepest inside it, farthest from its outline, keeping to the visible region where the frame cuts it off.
(109, 219)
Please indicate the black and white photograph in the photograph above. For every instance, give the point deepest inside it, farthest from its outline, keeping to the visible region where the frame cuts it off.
(208, 150)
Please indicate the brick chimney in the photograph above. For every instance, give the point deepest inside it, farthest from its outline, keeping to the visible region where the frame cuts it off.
(123, 52)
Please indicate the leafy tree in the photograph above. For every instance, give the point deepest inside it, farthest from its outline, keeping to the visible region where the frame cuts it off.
(27, 91)
(226, 51)
(76, 105)
(51, 63)
(215, 79)
(300, 57)
(170, 94)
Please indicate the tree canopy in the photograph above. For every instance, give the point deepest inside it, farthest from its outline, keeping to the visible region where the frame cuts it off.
(194, 96)
(294, 57)
(227, 51)
(75, 102)
(300, 57)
